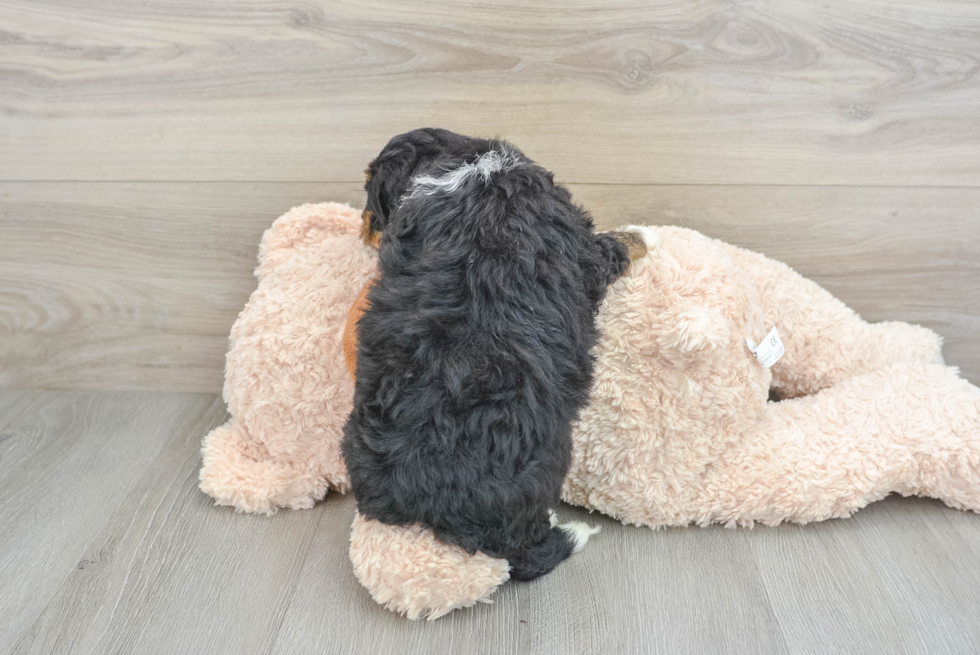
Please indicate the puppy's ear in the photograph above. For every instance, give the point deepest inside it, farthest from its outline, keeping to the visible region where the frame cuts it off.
(638, 241)
(604, 263)
(389, 177)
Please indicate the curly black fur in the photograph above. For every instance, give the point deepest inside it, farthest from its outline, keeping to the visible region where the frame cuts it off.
(474, 354)
(407, 155)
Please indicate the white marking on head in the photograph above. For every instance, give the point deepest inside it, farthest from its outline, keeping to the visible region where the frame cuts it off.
(500, 159)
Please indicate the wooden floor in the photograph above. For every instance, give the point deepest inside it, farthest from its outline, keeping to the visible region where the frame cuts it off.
(145, 145)
(108, 547)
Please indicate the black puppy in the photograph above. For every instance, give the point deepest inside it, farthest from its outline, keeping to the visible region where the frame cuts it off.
(474, 350)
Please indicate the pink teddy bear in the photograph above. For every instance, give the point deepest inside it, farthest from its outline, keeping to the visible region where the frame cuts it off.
(680, 428)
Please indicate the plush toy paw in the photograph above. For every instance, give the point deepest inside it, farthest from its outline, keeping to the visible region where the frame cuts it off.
(408, 571)
(238, 472)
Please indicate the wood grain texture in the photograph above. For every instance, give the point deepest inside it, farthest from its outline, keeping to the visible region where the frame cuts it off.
(894, 578)
(116, 286)
(67, 460)
(865, 92)
(109, 547)
(136, 285)
(168, 572)
(629, 594)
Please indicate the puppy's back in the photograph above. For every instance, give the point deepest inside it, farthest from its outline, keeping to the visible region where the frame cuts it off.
(473, 361)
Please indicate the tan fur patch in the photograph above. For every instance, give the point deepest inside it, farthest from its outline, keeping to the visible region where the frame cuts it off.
(349, 341)
(369, 237)
(634, 243)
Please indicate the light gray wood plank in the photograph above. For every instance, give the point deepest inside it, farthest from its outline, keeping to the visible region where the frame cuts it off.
(842, 92)
(136, 285)
(631, 590)
(966, 524)
(12, 405)
(893, 578)
(109, 547)
(930, 570)
(168, 572)
(130, 286)
(68, 462)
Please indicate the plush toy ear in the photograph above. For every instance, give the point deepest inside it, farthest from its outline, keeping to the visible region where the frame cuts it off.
(388, 178)
(692, 333)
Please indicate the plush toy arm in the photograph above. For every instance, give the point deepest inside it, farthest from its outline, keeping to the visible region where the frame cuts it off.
(237, 472)
(826, 342)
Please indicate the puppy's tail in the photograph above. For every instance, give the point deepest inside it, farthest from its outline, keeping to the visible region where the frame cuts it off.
(562, 541)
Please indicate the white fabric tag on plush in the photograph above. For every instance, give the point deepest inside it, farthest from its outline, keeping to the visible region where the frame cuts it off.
(770, 350)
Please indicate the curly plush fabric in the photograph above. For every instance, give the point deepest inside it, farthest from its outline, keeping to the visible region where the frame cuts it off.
(679, 429)
(411, 573)
(286, 385)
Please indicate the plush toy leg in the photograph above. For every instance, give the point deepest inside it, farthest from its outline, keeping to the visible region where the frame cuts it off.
(238, 472)
(910, 429)
(826, 341)
(409, 572)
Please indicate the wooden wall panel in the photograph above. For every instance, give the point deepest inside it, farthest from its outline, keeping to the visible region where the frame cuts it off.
(856, 92)
(136, 285)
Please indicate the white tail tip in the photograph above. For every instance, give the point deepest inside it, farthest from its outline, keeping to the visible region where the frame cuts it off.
(580, 533)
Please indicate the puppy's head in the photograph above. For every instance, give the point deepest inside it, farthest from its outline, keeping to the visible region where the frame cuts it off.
(389, 175)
